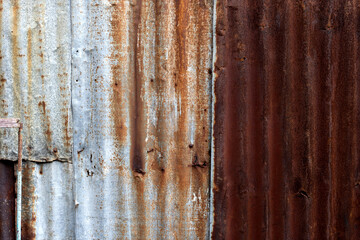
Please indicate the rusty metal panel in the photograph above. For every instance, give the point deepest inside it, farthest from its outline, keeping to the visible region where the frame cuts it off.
(7, 200)
(286, 129)
(141, 106)
(35, 78)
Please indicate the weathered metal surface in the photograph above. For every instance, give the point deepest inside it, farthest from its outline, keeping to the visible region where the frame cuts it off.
(141, 104)
(283, 101)
(48, 207)
(35, 73)
(286, 133)
(7, 200)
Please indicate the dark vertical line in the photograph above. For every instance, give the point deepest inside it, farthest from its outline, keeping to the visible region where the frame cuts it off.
(138, 127)
(137, 159)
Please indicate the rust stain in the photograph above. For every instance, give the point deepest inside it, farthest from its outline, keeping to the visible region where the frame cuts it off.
(118, 113)
(137, 114)
(137, 109)
(48, 133)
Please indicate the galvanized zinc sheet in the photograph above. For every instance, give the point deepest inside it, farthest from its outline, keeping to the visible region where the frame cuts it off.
(48, 208)
(35, 78)
(141, 104)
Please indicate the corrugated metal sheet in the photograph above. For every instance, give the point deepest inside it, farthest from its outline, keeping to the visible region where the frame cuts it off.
(141, 103)
(35, 74)
(287, 120)
(155, 146)
(141, 106)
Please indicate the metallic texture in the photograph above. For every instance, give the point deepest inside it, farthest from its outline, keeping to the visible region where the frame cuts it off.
(287, 120)
(141, 109)
(7, 200)
(35, 73)
(184, 120)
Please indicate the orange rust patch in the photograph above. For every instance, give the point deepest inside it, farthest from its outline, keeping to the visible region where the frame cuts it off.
(118, 113)
(48, 132)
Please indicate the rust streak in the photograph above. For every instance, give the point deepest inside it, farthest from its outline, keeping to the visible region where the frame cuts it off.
(15, 54)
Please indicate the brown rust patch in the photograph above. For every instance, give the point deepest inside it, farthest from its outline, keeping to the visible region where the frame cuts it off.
(137, 110)
(137, 114)
(183, 9)
(68, 136)
(48, 133)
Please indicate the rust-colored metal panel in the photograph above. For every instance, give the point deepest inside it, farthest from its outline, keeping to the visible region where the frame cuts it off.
(286, 130)
(7, 200)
